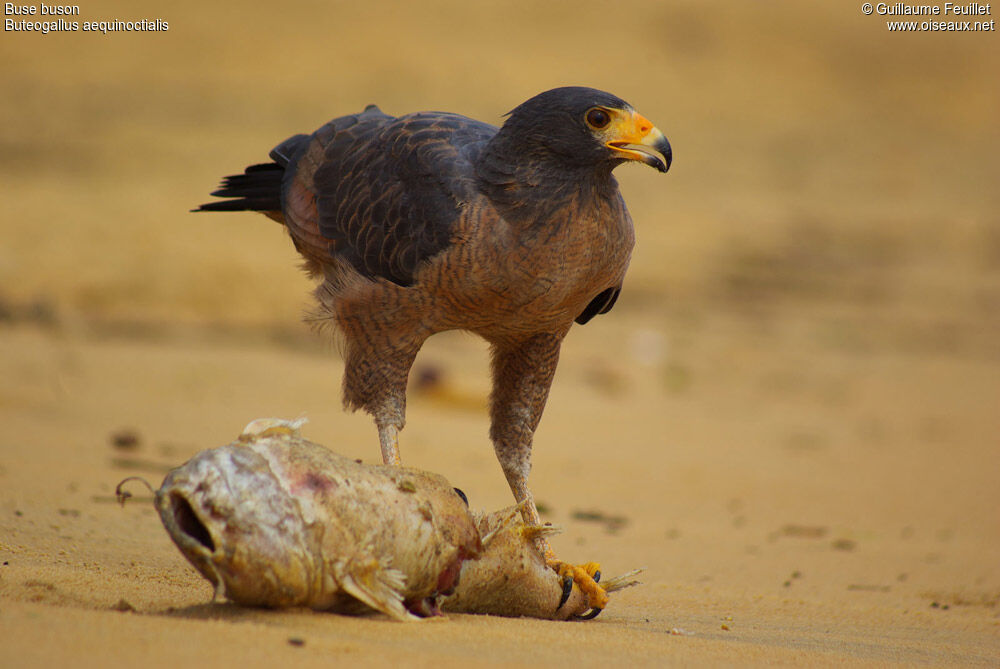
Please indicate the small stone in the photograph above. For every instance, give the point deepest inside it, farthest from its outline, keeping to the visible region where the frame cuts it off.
(125, 439)
(844, 545)
(123, 606)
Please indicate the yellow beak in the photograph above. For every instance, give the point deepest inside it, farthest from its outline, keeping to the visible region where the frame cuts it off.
(634, 129)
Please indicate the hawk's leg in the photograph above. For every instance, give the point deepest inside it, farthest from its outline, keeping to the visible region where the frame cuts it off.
(522, 375)
(375, 380)
(388, 437)
(382, 332)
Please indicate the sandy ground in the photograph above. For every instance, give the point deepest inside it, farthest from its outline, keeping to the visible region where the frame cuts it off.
(790, 419)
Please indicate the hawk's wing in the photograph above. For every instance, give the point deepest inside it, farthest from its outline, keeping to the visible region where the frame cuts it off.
(381, 193)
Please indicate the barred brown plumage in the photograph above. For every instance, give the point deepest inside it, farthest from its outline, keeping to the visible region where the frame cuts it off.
(433, 221)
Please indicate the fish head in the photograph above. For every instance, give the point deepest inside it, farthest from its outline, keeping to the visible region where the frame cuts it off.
(245, 545)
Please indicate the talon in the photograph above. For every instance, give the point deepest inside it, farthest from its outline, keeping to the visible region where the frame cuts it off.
(584, 577)
(591, 614)
(567, 589)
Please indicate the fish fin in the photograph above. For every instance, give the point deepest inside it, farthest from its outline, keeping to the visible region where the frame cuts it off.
(532, 532)
(376, 584)
(269, 427)
(623, 581)
(492, 524)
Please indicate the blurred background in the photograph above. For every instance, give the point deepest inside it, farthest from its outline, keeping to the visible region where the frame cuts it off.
(820, 159)
(810, 326)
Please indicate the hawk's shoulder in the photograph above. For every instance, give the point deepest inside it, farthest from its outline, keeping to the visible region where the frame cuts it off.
(381, 193)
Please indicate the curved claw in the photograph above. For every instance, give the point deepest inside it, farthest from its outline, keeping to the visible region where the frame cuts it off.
(566, 590)
(591, 614)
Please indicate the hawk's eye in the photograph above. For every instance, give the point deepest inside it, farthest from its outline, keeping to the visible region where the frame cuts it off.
(598, 118)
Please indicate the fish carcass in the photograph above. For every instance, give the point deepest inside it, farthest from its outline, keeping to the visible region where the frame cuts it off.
(275, 520)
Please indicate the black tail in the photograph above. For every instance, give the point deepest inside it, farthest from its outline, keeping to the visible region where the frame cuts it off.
(257, 189)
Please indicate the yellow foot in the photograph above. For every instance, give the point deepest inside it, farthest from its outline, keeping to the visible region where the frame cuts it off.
(585, 577)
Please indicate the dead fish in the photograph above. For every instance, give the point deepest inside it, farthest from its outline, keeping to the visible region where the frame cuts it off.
(511, 578)
(275, 520)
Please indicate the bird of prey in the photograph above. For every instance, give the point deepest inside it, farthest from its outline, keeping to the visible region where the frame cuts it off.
(432, 221)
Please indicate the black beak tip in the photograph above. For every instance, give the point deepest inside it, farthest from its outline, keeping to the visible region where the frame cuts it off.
(668, 155)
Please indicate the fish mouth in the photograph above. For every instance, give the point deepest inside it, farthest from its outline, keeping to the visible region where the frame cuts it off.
(188, 522)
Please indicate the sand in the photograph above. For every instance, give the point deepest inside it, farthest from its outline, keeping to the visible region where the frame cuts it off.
(790, 418)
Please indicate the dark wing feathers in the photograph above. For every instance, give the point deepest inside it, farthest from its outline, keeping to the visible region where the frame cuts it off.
(388, 191)
(284, 153)
(378, 192)
(257, 189)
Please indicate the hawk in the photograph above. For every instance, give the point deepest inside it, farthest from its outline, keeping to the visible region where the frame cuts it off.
(432, 221)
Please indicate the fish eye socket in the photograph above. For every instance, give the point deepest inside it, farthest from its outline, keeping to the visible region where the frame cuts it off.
(598, 118)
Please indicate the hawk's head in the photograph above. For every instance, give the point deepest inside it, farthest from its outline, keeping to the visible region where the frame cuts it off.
(583, 126)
